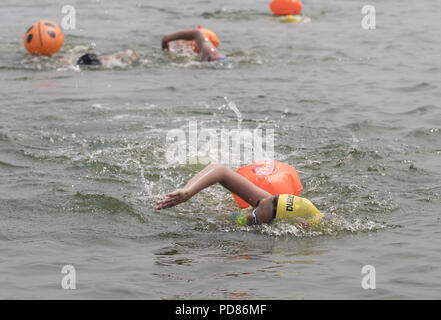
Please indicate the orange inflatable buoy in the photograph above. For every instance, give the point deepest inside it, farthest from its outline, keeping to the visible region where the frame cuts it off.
(43, 37)
(210, 35)
(286, 7)
(272, 176)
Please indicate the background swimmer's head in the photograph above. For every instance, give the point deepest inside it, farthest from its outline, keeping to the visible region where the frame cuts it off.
(89, 59)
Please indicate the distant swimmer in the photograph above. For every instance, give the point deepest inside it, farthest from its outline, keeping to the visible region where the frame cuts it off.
(208, 51)
(266, 206)
(114, 60)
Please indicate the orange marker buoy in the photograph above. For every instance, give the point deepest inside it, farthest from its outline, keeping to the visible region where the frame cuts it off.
(210, 35)
(43, 37)
(286, 7)
(272, 176)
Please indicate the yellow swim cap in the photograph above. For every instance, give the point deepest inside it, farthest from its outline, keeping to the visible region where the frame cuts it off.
(290, 206)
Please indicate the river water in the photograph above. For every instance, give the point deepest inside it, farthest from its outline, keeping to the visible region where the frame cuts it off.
(83, 152)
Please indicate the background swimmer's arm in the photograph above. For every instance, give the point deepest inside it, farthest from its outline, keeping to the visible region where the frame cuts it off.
(205, 46)
(187, 35)
(210, 175)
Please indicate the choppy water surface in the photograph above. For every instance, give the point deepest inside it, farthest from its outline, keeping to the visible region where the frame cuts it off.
(83, 153)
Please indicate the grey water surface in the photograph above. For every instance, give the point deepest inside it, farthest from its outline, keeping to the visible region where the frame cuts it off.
(83, 152)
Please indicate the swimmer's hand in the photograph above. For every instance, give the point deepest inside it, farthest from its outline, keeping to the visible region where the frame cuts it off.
(172, 199)
(165, 43)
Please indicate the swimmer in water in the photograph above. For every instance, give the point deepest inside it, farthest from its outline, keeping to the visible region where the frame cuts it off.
(208, 51)
(266, 206)
(117, 59)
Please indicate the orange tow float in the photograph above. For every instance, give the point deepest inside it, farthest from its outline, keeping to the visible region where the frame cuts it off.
(43, 37)
(210, 35)
(273, 176)
(286, 7)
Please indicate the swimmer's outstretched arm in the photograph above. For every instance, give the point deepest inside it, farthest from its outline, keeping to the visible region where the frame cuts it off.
(205, 46)
(215, 173)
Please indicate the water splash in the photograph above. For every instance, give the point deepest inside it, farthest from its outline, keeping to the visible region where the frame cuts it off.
(331, 225)
(234, 108)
